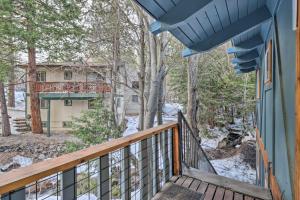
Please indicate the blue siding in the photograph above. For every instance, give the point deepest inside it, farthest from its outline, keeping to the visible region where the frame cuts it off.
(277, 129)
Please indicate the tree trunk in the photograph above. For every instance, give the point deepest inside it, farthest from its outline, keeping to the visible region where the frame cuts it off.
(192, 107)
(161, 95)
(116, 61)
(142, 76)
(160, 103)
(5, 118)
(11, 86)
(36, 122)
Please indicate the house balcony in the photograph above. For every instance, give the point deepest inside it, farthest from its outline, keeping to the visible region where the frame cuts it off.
(72, 87)
(164, 162)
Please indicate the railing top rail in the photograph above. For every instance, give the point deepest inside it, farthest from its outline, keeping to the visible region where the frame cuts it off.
(18, 178)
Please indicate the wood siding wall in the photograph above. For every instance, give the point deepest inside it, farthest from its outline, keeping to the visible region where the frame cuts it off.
(276, 108)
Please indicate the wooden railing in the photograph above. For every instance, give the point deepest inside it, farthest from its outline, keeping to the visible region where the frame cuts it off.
(73, 87)
(131, 167)
(134, 166)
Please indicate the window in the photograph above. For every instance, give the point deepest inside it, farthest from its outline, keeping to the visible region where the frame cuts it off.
(68, 75)
(135, 84)
(67, 124)
(44, 124)
(95, 76)
(268, 64)
(41, 76)
(135, 98)
(118, 102)
(68, 102)
(295, 14)
(43, 104)
(92, 104)
(257, 84)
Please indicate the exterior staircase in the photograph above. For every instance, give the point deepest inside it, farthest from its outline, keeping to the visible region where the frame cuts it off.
(21, 125)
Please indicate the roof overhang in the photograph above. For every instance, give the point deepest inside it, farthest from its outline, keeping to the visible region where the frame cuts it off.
(203, 25)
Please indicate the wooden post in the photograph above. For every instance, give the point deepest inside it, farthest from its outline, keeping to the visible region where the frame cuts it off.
(69, 184)
(176, 152)
(49, 118)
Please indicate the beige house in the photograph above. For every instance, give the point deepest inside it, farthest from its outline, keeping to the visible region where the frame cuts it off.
(68, 89)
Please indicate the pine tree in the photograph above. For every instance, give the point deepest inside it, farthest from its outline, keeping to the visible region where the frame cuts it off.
(44, 26)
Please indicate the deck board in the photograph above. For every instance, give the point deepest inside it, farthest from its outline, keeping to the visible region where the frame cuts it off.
(195, 184)
(181, 180)
(187, 187)
(228, 195)
(238, 196)
(209, 194)
(202, 187)
(219, 193)
(187, 182)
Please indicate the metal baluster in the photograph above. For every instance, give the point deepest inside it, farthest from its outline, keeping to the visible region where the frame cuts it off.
(166, 156)
(156, 161)
(125, 174)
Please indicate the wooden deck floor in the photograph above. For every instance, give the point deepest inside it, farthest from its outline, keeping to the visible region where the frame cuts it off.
(203, 186)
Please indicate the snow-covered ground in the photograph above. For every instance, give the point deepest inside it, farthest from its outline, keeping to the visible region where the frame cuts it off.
(234, 167)
(20, 100)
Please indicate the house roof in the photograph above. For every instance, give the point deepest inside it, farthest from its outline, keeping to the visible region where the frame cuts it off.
(203, 25)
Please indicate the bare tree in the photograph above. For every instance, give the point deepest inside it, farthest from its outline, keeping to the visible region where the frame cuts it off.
(193, 102)
(158, 73)
(141, 74)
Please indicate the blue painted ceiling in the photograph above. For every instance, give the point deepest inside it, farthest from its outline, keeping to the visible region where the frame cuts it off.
(204, 24)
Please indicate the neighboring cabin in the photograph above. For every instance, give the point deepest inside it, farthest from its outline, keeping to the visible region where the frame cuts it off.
(68, 89)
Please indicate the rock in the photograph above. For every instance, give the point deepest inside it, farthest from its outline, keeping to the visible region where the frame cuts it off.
(248, 152)
(10, 166)
(231, 140)
(41, 157)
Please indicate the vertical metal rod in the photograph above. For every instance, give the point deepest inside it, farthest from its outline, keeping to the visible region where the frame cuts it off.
(104, 177)
(166, 156)
(69, 184)
(125, 174)
(156, 161)
(163, 155)
(151, 166)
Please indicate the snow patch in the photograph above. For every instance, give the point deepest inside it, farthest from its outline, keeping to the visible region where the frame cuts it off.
(132, 125)
(22, 161)
(235, 168)
(20, 100)
(171, 109)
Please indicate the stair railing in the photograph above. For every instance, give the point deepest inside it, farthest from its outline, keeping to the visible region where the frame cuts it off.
(192, 154)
